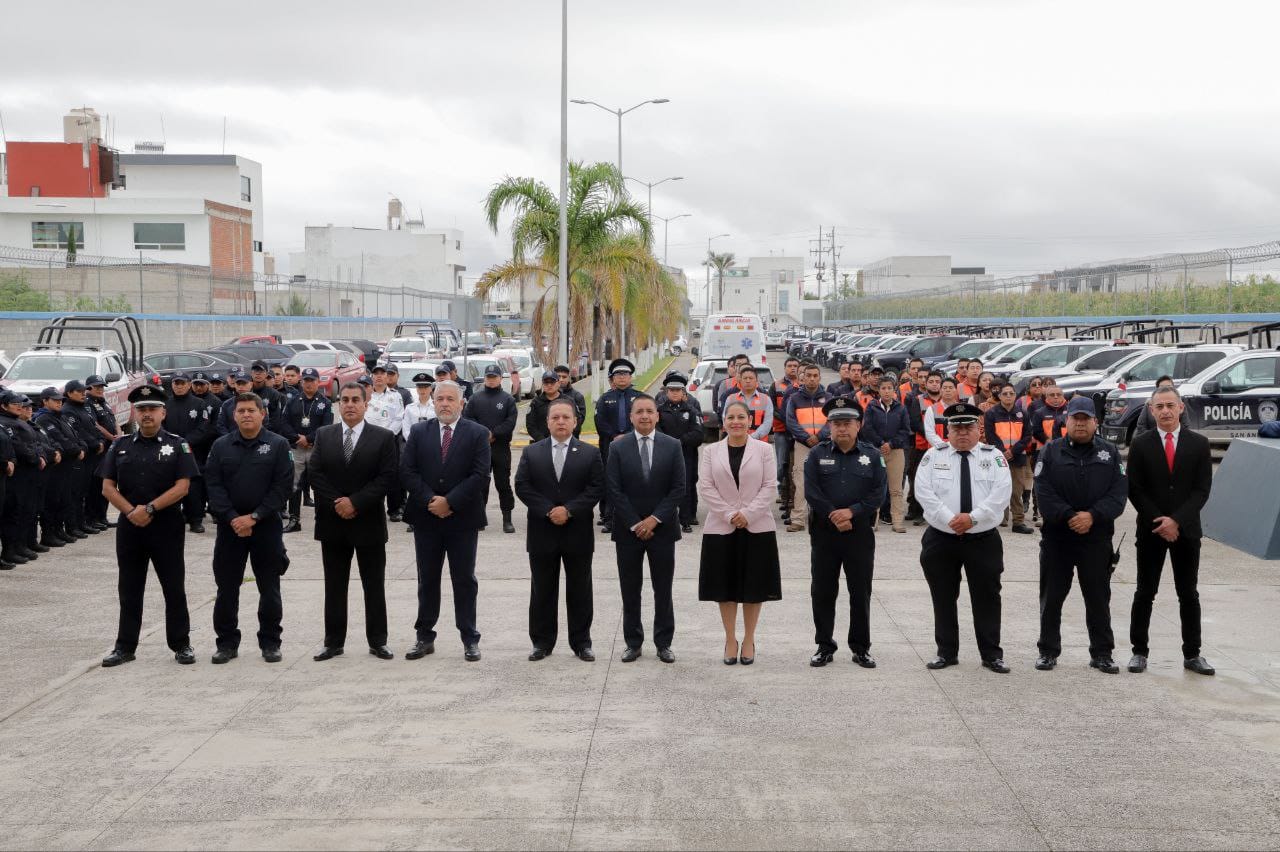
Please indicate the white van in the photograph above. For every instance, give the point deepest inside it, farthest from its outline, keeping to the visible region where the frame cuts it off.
(726, 335)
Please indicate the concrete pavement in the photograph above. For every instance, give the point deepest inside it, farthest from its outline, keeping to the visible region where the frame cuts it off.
(361, 753)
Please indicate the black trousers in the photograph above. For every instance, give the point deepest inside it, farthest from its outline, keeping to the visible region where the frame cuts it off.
(30, 512)
(431, 547)
(160, 544)
(500, 465)
(1185, 556)
(55, 510)
(829, 552)
(396, 496)
(606, 511)
(19, 493)
(662, 571)
(193, 505)
(981, 556)
(544, 598)
(75, 485)
(914, 454)
(95, 503)
(1091, 559)
(372, 559)
(689, 504)
(264, 550)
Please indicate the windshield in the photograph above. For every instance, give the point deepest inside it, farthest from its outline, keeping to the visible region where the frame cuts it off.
(407, 344)
(314, 358)
(521, 361)
(1154, 367)
(1103, 360)
(54, 369)
(972, 348)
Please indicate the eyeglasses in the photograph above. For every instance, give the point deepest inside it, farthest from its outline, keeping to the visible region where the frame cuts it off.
(1035, 384)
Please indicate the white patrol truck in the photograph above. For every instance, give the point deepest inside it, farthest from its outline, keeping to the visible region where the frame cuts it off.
(1234, 397)
(116, 355)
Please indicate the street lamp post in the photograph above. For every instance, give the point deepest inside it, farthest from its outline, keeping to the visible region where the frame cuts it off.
(666, 221)
(620, 113)
(651, 185)
(708, 264)
(562, 283)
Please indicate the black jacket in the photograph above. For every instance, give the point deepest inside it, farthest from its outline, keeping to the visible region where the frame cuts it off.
(371, 474)
(246, 476)
(579, 489)
(316, 411)
(495, 410)
(27, 447)
(1073, 478)
(462, 478)
(192, 418)
(86, 426)
(632, 498)
(535, 421)
(892, 426)
(1155, 492)
(682, 421)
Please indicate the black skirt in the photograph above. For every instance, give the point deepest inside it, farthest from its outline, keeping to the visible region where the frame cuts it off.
(741, 567)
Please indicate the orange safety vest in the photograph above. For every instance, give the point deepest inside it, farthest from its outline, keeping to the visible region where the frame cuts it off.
(811, 419)
(865, 399)
(756, 403)
(922, 443)
(781, 388)
(965, 389)
(1010, 431)
(1046, 425)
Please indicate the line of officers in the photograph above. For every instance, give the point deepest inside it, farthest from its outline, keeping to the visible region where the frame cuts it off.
(963, 488)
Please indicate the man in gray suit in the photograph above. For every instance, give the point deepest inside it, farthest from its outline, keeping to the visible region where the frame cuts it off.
(645, 484)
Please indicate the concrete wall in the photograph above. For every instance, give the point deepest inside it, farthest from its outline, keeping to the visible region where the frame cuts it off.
(761, 291)
(430, 260)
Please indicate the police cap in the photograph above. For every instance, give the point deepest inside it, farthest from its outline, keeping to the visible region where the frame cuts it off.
(310, 373)
(962, 414)
(199, 377)
(392, 368)
(95, 382)
(179, 377)
(1081, 405)
(448, 365)
(51, 393)
(379, 368)
(443, 369)
(842, 408)
(424, 380)
(621, 365)
(259, 365)
(146, 396)
(548, 376)
(675, 379)
(215, 379)
(73, 385)
(492, 370)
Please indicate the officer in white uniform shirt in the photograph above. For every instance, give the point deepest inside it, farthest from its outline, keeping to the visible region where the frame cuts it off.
(386, 408)
(422, 408)
(964, 488)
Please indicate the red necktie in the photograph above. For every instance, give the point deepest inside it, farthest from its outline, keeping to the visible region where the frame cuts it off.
(1168, 449)
(447, 437)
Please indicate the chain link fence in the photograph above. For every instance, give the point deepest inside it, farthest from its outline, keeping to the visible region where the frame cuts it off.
(39, 280)
(1228, 280)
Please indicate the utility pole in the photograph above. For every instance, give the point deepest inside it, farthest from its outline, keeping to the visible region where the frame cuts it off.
(835, 275)
(820, 265)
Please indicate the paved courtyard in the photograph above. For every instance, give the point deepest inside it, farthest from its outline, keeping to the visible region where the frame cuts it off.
(504, 753)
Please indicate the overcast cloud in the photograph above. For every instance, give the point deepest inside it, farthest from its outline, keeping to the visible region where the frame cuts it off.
(1013, 135)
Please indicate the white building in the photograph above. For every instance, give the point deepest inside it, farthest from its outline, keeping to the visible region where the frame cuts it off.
(907, 273)
(408, 255)
(203, 210)
(772, 287)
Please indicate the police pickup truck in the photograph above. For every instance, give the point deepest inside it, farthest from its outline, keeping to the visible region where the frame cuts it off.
(1235, 396)
(1123, 394)
(116, 356)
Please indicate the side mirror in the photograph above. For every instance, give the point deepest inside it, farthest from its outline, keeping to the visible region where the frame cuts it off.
(1211, 387)
(112, 377)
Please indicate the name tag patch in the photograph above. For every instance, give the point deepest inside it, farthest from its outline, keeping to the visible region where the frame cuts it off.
(827, 462)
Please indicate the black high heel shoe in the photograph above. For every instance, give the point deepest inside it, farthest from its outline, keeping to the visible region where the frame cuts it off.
(745, 660)
(733, 661)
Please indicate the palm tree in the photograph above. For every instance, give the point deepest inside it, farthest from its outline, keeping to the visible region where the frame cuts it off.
(613, 276)
(720, 263)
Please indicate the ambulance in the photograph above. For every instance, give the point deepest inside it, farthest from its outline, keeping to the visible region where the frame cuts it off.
(726, 335)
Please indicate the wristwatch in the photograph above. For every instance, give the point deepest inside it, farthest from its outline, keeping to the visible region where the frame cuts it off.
(151, 508)
(255, 516)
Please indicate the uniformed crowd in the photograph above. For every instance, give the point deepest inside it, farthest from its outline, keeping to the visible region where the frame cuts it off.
(962, 454)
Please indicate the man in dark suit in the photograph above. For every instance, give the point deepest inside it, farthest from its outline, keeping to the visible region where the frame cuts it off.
(560, 479)
(445, 469)
(645, 484)
(351, 468)
(1170, 474)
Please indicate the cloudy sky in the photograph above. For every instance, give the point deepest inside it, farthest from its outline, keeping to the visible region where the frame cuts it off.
(1014, 135)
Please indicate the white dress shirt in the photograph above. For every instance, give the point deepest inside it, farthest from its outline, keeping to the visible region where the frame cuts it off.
(357, 429)
(1175, 433)
(386, 409)
(938, 487)
(416, 412)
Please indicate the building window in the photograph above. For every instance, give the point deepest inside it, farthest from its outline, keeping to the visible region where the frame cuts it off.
(160, 236)
(257, 245)
(246, 188)
(53, 235)
(784, 301)
(457, 245)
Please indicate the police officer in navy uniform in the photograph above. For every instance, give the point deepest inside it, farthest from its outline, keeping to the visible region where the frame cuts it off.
(1082, 489)
(249, 477)
(260, 376)
(55, 516)
(16, 528)
(201, 384)
(495, 409)
(218, 388)
(145, 475)
(682, 419)
(304, 414)
(613, 420)
(105, 419)
(76, 410)
(8, 464)
(844, 485)
(189, 417)
(964, 489)
(240, 383)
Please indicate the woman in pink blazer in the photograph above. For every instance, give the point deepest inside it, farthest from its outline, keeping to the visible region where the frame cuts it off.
(737, 483)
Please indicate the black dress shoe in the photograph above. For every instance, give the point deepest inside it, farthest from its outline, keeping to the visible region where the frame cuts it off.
(6, 566)
(733, 660)
(507, 526)
(1023, 529)
(419, 650)
(102, 526)
(395, 517)
(116, 658)
(1104, 664)
(586, 654)
(821, 658)
(607, 529)
(52, 541)
(197, 527)
(1137, 664)
(1199, 665)
(997, 665)
(863, 659)
(941, 662)
(1044, 662)
(224, 655)
(87, 530)
(327, 653)
(293, 526)
(74, 535)
(666, 656)
(630, 655)
(37, 548)
(538, 654)
(14, 558)
(29, 553)
(686, 528)
(471, 653)
(272, 655)
(186, 656)
(746, 661)
(382, 652)
(694, 522)
(307, 501)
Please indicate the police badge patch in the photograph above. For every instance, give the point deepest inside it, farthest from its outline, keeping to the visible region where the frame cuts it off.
(166, 450)
(192, 414)
(1104, 455)
(264, 449)
(1039, 467)
(863, 460)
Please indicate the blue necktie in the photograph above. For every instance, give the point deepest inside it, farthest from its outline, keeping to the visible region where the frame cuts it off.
(622, 413)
